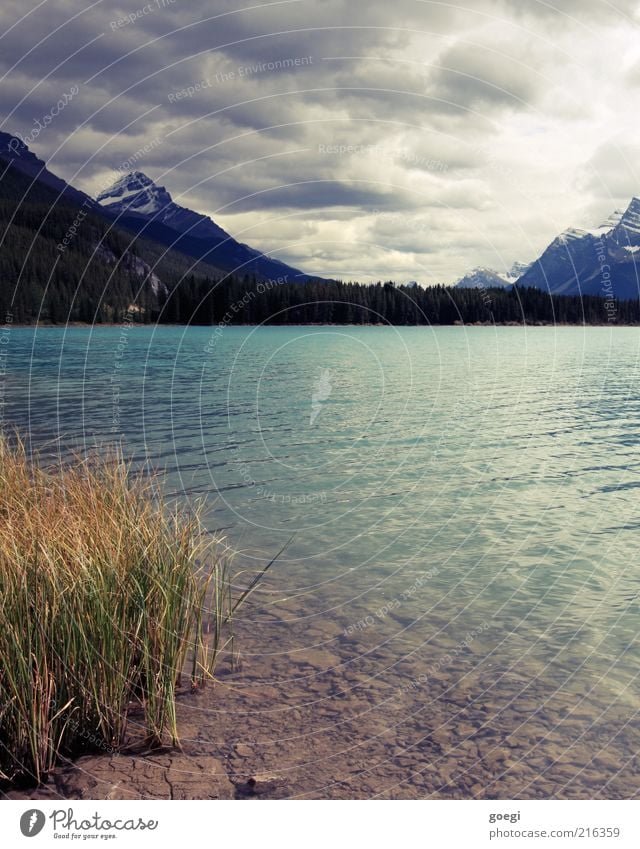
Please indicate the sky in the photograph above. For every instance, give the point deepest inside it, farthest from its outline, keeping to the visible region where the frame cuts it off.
(359, 139)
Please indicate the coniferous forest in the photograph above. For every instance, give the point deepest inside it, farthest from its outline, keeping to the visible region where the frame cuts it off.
(232, 301)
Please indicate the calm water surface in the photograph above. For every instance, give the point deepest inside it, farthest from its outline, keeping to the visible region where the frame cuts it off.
(457, 611)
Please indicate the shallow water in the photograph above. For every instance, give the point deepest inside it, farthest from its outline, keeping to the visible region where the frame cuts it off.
(456, 612)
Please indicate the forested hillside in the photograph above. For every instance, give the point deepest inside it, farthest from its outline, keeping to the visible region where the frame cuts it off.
(60, 260)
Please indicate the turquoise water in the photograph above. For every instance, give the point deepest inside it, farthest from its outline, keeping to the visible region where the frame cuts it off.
(462, 515)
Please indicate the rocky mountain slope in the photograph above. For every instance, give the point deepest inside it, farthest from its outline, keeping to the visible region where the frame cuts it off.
(138, 204)
(601, 260)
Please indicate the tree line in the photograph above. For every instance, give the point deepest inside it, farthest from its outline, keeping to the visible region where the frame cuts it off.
(248, 301)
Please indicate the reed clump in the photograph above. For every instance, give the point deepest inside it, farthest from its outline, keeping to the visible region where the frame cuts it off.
(106, 598)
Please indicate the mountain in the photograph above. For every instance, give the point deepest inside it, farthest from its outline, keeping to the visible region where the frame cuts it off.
(64, 258)
(517, 270)
(60, 261)
(602, 260)
(488, 278)
(22, 160)
(480, 278)
(67, 257)
(138, 204)
(135, 194)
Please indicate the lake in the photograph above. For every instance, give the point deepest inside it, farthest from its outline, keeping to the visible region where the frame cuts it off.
(456, 612)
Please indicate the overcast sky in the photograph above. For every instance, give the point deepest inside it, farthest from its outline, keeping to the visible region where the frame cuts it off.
(353, 138)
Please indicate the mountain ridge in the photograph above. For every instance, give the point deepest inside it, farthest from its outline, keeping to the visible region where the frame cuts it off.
(599, 260)
(138, 203)
(16, 153)
(134, 193)
(482, 277)
(592, 261)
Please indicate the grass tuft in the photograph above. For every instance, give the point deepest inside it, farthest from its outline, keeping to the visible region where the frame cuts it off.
(106, 598)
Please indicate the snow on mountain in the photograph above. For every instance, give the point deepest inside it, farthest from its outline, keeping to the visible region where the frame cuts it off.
(480, 278)
(141, 207)
(136, 194)
(592, 260)
(573, 233)
(145, 207)
(486, 278)
(517, 270)
(627, 219)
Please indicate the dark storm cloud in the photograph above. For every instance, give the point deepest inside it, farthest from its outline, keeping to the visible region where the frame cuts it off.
(326, 195)
(478, 76)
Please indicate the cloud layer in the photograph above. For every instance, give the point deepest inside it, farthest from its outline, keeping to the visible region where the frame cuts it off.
(351, 138)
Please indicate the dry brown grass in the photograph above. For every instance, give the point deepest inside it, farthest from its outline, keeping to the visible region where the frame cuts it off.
(102, 603)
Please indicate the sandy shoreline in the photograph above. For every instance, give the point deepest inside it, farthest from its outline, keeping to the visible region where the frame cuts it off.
(337, 721)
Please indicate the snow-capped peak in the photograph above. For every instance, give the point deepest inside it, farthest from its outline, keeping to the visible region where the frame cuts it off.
(628, 218)
(516, 271)
(131, 180)
(136, 194)
(570, 234)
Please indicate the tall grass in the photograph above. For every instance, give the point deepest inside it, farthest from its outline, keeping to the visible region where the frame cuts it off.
(106, 598)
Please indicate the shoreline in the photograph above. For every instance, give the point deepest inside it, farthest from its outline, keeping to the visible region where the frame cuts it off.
(134, 325)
